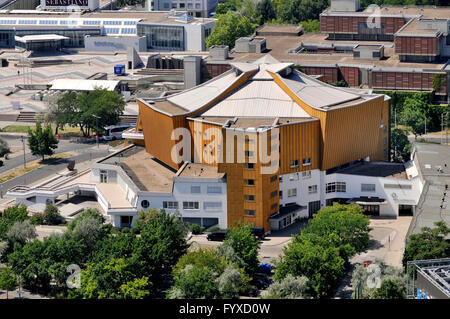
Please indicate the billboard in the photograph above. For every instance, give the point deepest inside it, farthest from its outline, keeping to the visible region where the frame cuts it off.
(69, 5)
(64, 3)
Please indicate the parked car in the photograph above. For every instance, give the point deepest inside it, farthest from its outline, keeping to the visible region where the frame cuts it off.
(259, 232)
(265, 268)
(114, 132)
(218, 235)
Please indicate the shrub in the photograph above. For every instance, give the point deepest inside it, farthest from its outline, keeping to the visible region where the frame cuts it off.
(51, 215)
(196, 229)
(21, 232)
(213, 228)
(289, 287)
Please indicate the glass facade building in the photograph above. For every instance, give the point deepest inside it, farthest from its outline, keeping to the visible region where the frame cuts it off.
(163, 37)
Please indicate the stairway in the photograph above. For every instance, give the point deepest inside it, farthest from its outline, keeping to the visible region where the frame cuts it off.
(125, 119)
(26, 117)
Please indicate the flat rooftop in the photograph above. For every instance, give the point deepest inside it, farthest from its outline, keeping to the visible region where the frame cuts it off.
(433, 161)
(375, 169)
(279, 47)
(200, 170)
(143, 16)
(405, 11)
(147, 173)
(412, 28)
(280, 28)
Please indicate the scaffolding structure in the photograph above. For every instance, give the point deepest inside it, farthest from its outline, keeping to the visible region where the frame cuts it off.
(429, 278)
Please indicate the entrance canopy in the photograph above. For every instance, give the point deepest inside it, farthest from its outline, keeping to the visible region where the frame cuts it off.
(40, 42)
(367, 200)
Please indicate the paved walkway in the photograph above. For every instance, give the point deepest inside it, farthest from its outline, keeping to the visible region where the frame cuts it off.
(387, 242)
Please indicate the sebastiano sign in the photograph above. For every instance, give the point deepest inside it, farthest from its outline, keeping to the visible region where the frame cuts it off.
(63, 3)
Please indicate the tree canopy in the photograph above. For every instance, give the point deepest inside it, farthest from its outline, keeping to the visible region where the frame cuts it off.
(90, 111)
(42, 141)
(228, 28)
(401, 147)
(430, 243)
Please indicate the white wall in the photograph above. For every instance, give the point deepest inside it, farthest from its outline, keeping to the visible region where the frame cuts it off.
(182, 192)
(303, 197)
(393, 196)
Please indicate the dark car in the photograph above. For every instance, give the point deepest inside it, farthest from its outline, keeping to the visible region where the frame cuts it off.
(259, 232)
(218, 235)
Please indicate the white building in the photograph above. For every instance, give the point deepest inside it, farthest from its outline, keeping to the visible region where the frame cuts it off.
(380, 188)
(197, 8)
(131, 180)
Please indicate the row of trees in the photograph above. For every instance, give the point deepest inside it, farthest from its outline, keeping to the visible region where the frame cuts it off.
(113, 264)
(275, 11)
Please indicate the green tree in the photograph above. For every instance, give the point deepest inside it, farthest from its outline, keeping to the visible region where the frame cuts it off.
(223, 8)
(245, 245)
(265, 11)
(323, 266)
(401, 147)
(10, 216)
(51, 215)
(21, 232)
(415, 114)
(195, 282)
(430, 243)
(346, 222)
(159, 246)
(8, 280)
(311, 25)
(89, 230)
(42, 141)
(4, 148)
(89, 213)
(111, 279)
(294, 11)
(227, 279)
(389, 289)
(136, 289)
(90, 111)
(40, 262)
(228, 28)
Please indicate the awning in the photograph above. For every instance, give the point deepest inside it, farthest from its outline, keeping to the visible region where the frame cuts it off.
(40, 38)
(367, 200)
(285, 211)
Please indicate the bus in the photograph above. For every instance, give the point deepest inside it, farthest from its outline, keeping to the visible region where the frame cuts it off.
(114, 132)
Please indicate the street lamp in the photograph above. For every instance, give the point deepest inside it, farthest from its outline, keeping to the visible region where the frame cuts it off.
(23, 144)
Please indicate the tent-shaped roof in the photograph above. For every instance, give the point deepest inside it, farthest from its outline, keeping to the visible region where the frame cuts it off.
(271, 88)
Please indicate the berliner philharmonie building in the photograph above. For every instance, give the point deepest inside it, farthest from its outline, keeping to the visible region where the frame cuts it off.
(262, 143)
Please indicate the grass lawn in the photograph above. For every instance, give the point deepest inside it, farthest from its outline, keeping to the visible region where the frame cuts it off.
(19, 171)
(67, 131)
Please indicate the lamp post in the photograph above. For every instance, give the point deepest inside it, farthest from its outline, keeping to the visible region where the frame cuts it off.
(23, 144)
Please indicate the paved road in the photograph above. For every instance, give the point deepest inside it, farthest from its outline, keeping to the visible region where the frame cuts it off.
(16, 160)
(50, 169)
(387, 242)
